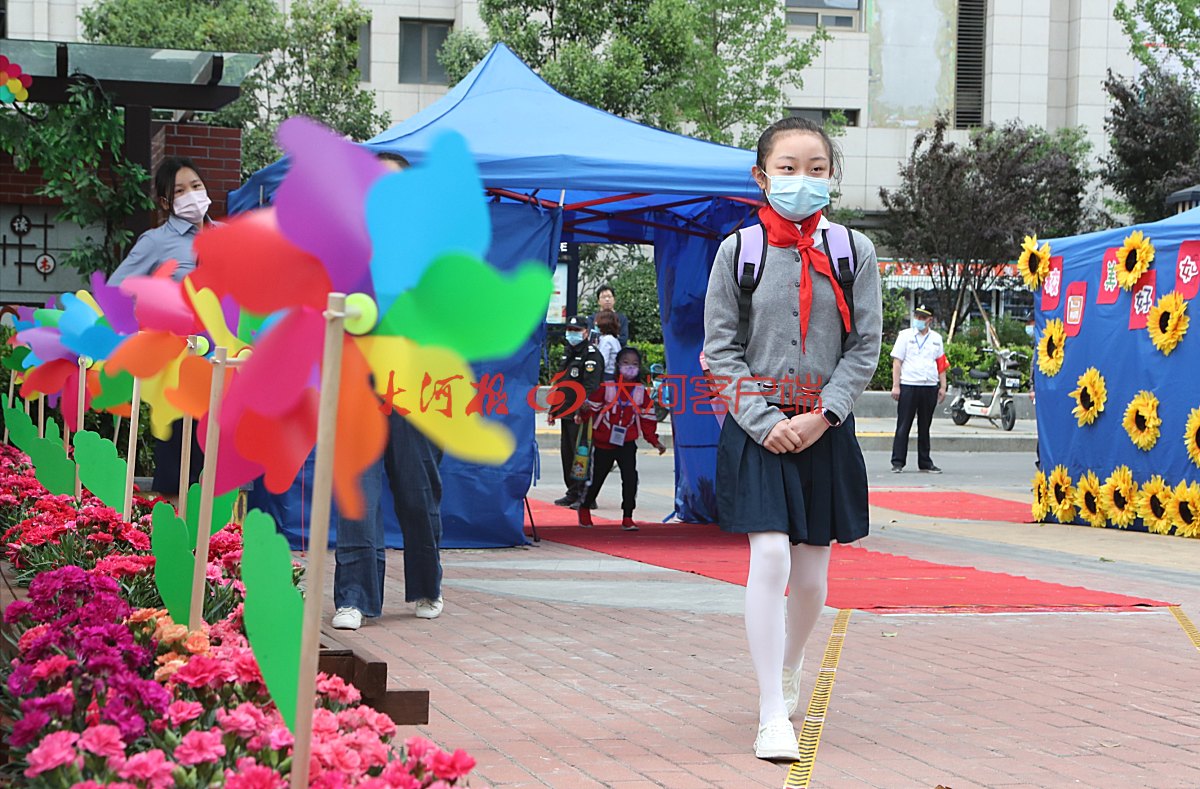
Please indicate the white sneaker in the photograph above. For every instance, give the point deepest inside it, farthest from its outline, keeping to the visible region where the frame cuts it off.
(347, 619)
(429, 609)
(791, 688)
(777, 741)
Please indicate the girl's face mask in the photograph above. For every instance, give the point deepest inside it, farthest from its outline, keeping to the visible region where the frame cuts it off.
(629, 370)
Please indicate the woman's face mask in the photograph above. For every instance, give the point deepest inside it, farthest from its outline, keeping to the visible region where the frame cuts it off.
(192, 206)
(797, 197)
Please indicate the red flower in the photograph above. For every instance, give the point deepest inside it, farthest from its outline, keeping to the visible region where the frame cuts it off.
(201, 671)
(452, 766)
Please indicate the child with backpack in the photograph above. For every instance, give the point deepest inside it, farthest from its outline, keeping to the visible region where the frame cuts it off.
(795, 304)
(621, 411)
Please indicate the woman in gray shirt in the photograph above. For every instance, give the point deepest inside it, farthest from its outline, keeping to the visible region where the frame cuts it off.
(790, 473)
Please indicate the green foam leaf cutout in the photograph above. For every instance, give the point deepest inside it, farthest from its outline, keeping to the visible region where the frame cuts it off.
(16, 359)
(101, 468)
(51, 465)
(114, 390)
(173, 561)
(222, 511)
(458, 284)
(274, 610)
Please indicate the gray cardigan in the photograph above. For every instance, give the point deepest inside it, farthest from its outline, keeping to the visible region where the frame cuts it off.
(773, 342)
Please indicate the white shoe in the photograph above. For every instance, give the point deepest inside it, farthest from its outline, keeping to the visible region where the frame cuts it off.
(347, 619)
(791, 688)
(777, 741)
(429, 609)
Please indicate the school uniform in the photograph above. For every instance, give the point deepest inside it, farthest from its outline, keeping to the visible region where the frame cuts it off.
(922, 357)
(621, 412)
(796, 335)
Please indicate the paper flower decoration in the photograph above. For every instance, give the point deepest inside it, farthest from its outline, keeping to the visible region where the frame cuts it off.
(1191, 435)
(1119, 497)
(1051, 347)
(1087, 499)
(1142, 422)
(1133, 259)
(1184, 509)
(1062, 494)
(407, 247)
(14, 85)
(1154, 505)
(1090, 396)
(1168, 322)
(1034, 263)
(1041, 497)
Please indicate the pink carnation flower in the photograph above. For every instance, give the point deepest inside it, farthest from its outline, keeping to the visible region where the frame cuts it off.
(103, 739)
(201, 671)
(180, 712)
(245, 720)
(199, 747)
(151, 768)
(452, 766)
(336, 689)
(251, 775)
(51, 668)
(54, 751)
(280, 738)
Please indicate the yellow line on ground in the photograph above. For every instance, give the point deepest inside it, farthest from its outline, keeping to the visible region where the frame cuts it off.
(800, 772)
(1186, 624)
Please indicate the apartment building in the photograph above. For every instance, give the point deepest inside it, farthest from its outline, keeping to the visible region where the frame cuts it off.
(891, 66)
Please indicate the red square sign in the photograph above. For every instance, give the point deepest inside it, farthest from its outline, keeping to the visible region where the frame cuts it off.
(1187, 269)
(1052, 285)
(1144, 296)
(1109, 287)
(1073, 311)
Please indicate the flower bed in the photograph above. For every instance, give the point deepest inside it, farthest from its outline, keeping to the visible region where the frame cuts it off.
(105, 689)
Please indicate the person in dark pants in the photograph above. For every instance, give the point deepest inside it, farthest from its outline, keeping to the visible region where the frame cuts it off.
(583, 364)
(918, 385)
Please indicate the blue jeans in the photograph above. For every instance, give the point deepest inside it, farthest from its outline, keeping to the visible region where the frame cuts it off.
(410, 463)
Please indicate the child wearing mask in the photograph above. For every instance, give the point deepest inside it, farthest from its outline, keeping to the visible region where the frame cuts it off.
(621, 411)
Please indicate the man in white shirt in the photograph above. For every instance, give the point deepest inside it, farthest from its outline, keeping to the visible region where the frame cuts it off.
(918, 385)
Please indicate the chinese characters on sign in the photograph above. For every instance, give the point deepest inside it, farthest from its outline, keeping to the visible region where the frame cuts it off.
(710, 395)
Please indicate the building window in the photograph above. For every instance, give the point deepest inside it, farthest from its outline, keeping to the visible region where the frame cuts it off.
(807, 13)
(364, 52)
(419, 45)
(822, 115)
(968, 70)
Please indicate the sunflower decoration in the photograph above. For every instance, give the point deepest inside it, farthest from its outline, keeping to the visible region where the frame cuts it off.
(1087, 499)
(1133, 259)
(1050, 347)
(1062, 494)
(1168, 322)
(1154, 505)
(1119, 496)
(1090, 396)
(1191, 436)
(1034, 263)
(1142, 422)
(1041, 497)
(1184, 509)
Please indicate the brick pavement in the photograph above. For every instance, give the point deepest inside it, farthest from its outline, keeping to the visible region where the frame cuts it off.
(646, 683)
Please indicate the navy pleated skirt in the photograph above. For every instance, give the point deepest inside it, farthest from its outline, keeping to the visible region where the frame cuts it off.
(815, 496)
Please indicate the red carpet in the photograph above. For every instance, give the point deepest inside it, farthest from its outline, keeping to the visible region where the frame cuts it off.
(858, 578)
(952, 505)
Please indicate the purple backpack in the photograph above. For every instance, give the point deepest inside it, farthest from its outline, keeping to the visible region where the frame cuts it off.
(751, 255)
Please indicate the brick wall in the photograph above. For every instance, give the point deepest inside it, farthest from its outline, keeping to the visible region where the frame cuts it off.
(216, 151)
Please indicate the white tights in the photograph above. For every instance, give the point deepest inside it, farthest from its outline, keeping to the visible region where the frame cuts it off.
(776, 568)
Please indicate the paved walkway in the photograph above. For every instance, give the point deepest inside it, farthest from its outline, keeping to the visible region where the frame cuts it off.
(558, 667)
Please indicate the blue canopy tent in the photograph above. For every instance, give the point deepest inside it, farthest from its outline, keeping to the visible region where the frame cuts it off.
(1105, 328)
(578, 174)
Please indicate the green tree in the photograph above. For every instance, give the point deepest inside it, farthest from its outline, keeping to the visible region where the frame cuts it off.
(78, 148)
(1154, 132)
(966, 208)
(309, 59)
(707, 65)
(1169, 26)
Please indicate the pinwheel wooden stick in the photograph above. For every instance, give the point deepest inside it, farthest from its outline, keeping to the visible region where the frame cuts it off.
(208, 481)
(185, 456)
(310, 641)
(83, 367)
(131, 453)
(41, 416)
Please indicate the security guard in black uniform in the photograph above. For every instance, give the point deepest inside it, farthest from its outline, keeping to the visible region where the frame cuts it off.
(582, 363)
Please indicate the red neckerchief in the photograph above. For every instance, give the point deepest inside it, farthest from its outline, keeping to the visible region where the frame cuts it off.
(784, 233)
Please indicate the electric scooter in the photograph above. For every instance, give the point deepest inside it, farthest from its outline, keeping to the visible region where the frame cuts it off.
(969, 399)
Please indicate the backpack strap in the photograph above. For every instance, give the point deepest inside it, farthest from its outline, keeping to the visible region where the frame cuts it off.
(839, 247)
(748, 259)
